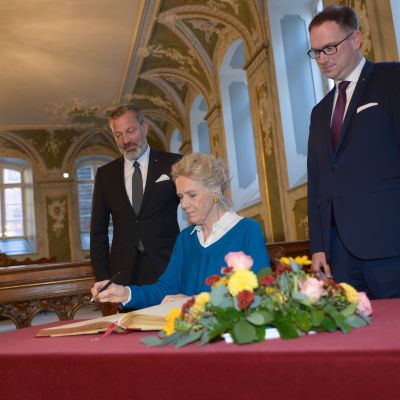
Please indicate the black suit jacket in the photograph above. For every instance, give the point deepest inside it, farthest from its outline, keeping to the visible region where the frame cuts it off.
(156, 225)
(361, 180)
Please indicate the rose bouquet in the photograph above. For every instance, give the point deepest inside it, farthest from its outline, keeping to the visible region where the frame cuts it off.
(245, 305)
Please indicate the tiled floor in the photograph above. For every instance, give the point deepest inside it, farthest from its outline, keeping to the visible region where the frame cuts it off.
(45, 317)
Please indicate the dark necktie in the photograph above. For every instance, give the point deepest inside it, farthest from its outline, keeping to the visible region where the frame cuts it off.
(137, 188)
(338, 113)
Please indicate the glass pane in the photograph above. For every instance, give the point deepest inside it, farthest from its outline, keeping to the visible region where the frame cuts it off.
(85, 173)
(13, 212)
(44, 317)
(11, 176)
(88, 312)
(6, 324)
(85, 191)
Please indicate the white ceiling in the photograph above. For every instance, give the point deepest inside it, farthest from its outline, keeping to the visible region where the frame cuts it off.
(55, 51)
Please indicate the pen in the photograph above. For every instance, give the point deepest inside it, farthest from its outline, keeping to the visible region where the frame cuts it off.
(106, 286)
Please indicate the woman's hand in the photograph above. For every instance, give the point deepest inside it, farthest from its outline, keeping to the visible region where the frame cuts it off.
(169, 298)
(113, 294)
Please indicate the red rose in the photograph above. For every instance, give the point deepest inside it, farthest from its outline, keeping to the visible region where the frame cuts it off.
(268, 280)
(211, 280)
(245, 298)
(282, 268)
(186, 307)
(226, 270)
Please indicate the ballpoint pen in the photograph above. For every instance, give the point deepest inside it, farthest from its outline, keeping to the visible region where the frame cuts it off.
(106, 286)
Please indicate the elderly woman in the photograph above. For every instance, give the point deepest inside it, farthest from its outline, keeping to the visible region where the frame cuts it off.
(201, 183)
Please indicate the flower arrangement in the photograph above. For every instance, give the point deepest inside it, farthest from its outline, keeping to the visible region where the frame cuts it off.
(244, 305)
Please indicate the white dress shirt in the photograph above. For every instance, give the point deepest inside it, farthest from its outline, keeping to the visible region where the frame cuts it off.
(219, 228)
(353, 79)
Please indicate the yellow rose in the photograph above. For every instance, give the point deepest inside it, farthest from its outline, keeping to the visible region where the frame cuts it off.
(269, 290)
(303, 260)
(350, 292)
(242, 280)
(284, 260)
(200, 301)
(169, 327)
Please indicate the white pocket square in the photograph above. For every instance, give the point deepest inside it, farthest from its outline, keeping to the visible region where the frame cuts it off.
(366, 106)
(162, 178)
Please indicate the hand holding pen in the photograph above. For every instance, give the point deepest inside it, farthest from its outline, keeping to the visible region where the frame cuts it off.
(106, 286)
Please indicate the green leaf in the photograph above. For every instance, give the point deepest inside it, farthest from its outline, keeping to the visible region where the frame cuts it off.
(151, 341)
(256, 302)
(340, 320)
(263, 273)
(205, 338)
(243, 332)
(355, 321)
(302, 298)
(218, 297)
(256, 318)
(328, 324)
(184, 340)
(303, 319)
(170, 339)
(260, 333)
(286, 329)
(349, 310)
(317, 316)
(295, 266)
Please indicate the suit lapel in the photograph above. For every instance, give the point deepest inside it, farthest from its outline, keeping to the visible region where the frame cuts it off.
(121, 179)
(361, 85)
(326, 122)
(153, 172)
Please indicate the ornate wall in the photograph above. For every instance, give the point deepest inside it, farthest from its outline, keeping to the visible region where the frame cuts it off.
(177, 57)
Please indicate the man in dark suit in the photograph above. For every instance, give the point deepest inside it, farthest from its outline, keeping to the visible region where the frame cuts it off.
(354, 161)
(138, 194)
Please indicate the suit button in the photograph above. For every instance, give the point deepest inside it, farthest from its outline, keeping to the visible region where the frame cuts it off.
(137, 221)
(333, 168)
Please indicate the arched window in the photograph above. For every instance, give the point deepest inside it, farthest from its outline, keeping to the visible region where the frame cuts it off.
(300, 83)
(199, 127)
(175, 142)
(86, 168)
(238, 128)
(396, 22)
(17, 211)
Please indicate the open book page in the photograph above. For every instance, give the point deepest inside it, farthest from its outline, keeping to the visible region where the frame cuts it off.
(150, 318)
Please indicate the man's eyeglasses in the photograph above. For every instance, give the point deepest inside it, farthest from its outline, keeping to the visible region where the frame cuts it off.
(328, 50)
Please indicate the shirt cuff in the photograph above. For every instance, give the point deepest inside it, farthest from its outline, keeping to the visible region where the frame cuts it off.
(129, 298)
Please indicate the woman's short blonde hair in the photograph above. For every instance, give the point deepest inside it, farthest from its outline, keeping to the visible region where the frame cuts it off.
(206, 169)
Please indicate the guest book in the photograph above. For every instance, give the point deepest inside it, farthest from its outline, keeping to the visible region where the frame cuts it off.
(146, 319)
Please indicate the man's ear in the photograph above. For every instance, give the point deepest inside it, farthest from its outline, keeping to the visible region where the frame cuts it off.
(146, 127)
(357, 39)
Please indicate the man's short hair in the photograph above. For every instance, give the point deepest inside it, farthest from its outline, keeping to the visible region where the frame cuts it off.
(344, 16)
(121, 110)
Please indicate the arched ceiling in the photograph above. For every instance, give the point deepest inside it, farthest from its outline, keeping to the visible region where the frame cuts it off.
(69, 62)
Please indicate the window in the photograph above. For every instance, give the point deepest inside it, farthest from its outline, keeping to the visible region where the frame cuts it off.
(17, 222)
(199, 127)
(300, 83)
(175, 142)
(85, 174)
(238, 128)
(396, 22)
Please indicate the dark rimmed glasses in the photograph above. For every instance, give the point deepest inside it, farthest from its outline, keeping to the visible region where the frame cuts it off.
(328, 50)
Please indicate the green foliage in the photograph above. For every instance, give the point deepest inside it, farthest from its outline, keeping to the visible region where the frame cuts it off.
(288, 299)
